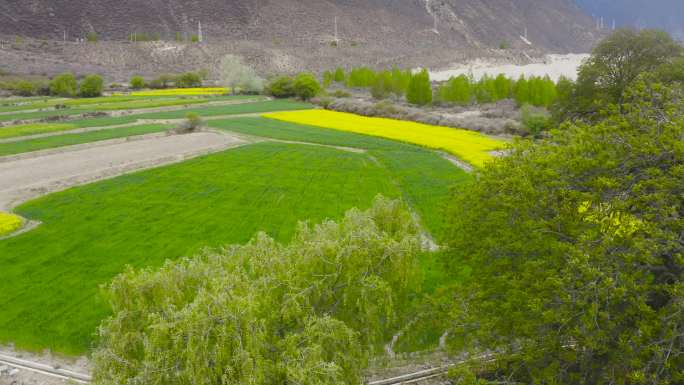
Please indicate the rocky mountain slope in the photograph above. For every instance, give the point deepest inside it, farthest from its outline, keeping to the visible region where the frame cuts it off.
(288, 35)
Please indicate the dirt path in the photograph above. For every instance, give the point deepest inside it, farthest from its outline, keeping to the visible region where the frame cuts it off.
(24, 179)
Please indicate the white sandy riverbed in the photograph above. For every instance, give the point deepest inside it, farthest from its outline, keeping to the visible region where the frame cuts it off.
(553, 66)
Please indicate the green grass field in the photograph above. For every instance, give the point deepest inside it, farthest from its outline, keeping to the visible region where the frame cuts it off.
(424, 177)
(49, 292)
(72, 139)
(245, 108)
(104, 104)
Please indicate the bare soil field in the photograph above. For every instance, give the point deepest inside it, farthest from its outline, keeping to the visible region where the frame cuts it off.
(26, 178)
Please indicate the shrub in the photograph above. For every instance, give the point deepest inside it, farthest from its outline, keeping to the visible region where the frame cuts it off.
(238, 76)
(311, 312)
(24, 88)
(137, 82)
(419, 90)
(328, 78)
(382, 85)
(92, 37)
(306, 86)
(193, 122)
(340, 94)
(535, 120)
(339, 75)
(91, 86)
(163, 81)
(281, 87)
(189, 80)
(64, 85)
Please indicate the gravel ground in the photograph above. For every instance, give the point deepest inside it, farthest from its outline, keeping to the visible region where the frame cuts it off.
(27, 178)
(12, 376)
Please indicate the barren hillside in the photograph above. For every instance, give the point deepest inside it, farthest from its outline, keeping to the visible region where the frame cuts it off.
(286, 35)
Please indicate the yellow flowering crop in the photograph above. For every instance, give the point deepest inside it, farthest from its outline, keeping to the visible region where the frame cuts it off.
(9, 223)
(470, 146)
(182, 91)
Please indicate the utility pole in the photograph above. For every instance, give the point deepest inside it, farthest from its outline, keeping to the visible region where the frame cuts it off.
(200, 38)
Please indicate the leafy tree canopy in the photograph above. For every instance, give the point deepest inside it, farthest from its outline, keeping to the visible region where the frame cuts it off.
(309, 312)
(570, 252)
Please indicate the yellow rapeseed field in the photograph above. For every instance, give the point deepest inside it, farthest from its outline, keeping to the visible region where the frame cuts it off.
(469, 146)
(9, 223)
(182, 91)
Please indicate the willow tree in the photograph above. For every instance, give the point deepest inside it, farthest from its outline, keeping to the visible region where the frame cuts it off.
(310, 312)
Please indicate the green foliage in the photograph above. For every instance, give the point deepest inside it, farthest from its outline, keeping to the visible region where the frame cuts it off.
(163, 81)
(534, 120)
(382, 86)
(306, 86)
(137, 82)
(147, 36)
(568, 252)
(614, 65)
(328, 78)
(194, 39)
(281, 87)
(537, 91)
(64, 85)
(455, 90)
(91, 86)
(189, 80)
(308, 313)
(504, 44)
(92, 37)
(361, 77)
(339, 75)
(419, 89)
(24, 88)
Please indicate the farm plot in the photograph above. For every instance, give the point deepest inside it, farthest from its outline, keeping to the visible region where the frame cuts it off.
(470, 146)
(21, 179)
(424, 177)
(71, 107)
(69, 139)
(49, 291)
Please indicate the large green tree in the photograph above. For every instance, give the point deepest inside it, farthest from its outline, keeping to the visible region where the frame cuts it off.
(310, 312)
(614, 65)
(570, 252)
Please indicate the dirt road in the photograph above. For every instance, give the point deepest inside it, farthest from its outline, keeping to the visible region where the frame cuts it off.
(26, 178)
